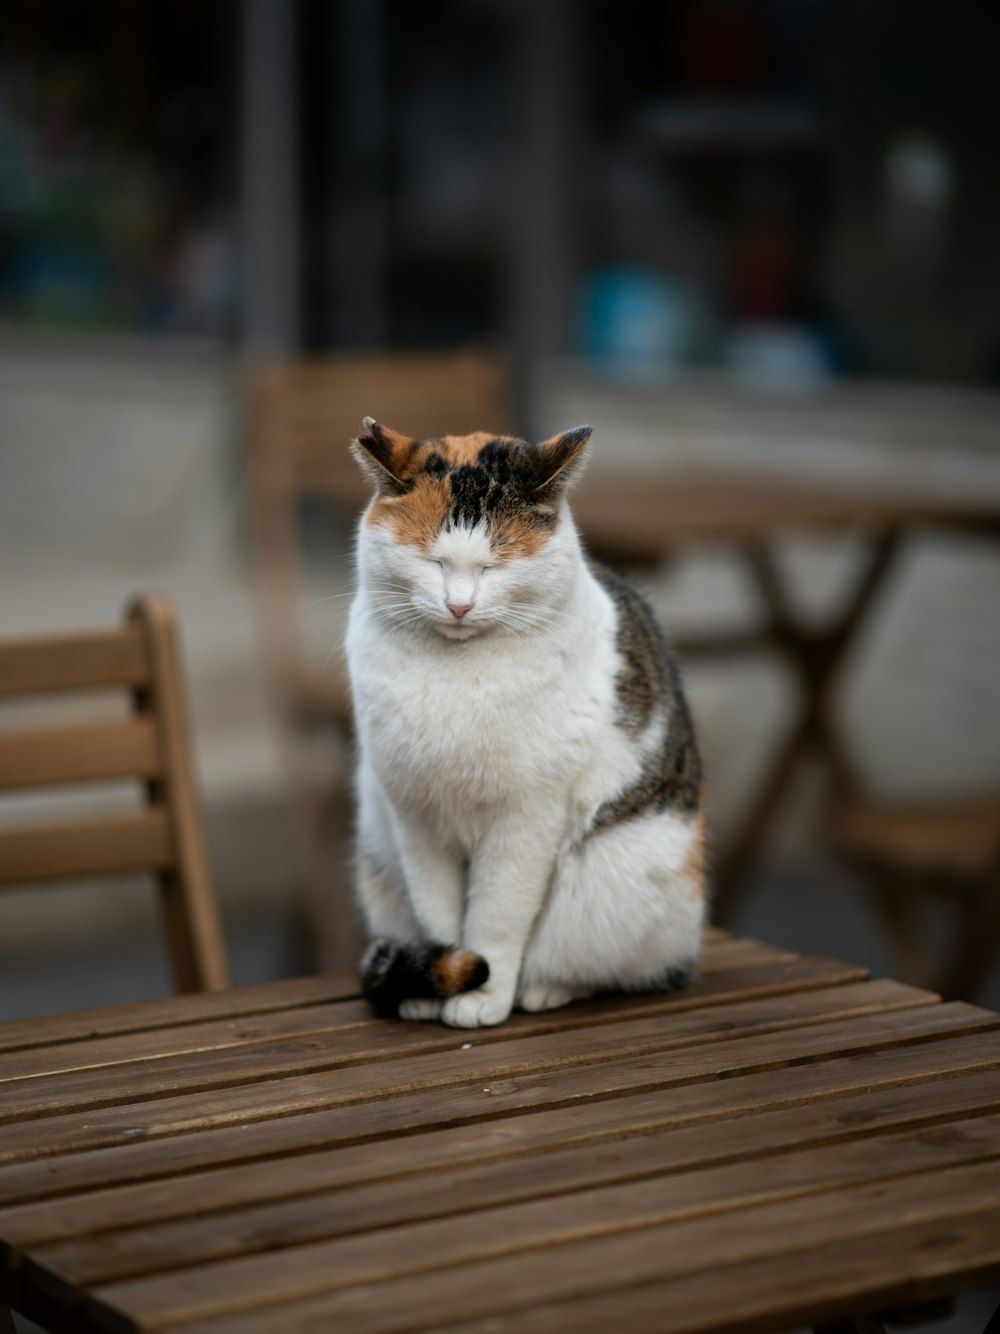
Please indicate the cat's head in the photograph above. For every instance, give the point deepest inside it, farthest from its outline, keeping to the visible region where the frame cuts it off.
(468, 534)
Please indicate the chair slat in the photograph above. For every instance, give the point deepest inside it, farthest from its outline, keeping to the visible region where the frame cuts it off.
(74, 662)
(127, 749)
(137, 841)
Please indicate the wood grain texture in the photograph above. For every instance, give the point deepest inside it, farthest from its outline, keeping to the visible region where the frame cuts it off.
(165, 836)
(138, 841)
(83, 1026)
(489, 1270)
(407, 1179)
(931, 837)
(725, 977)
(99, 751)
(642, 519)
(90, 661)
(817, 1284)
(413, 1125)
(622, 1174)
(723, 1158)
(191, 915)
(388, 1053)
(501, 1080)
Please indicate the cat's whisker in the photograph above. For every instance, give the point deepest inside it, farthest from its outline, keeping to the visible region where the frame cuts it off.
(313, 602)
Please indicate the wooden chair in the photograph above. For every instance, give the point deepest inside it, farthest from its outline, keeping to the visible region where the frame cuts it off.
(302, 416)
(165, 835)
(928, 865)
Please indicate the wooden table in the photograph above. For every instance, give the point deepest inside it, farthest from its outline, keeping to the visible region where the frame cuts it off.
(643, 520)
(787, 1143)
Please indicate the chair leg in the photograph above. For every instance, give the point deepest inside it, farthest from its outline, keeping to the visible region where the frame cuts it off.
(898, 904)
(977, 944)
(6, 1320)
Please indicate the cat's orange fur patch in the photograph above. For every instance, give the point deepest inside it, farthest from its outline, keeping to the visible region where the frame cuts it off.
(459, 449)
(415, 518)
(693, 870)
(453, 971)
(694, 864)
(519, 538)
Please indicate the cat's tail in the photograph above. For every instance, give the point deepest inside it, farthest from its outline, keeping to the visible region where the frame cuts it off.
(392, 972)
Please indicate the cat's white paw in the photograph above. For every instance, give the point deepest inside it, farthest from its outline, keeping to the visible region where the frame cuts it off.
(420, 1008)
(549, 996)
(477, 1009)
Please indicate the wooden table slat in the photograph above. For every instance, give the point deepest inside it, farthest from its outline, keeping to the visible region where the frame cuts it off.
(404, 1279)
(527, 1047)
(413, 1131)
(291, 993)
(152, 1016)
(280, 1160)
(832, 1281)
(724, 976)
(456, 1092)
(612, 1182)
(404, 1173)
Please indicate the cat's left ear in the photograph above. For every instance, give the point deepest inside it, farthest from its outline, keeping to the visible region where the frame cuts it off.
(383, 456)
(562, 458)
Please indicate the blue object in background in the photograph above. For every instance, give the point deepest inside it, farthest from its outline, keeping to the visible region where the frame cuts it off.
(777, 357)
(636, 323)
(58, 278)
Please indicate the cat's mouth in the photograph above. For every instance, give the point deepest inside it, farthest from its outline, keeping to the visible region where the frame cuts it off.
(457, 630)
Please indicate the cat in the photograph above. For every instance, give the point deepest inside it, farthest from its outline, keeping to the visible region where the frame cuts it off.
(530, 814)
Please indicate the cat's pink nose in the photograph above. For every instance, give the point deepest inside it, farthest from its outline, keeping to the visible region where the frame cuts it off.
(458, 609)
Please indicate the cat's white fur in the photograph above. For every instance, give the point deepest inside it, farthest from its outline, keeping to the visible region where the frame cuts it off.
(486, 747)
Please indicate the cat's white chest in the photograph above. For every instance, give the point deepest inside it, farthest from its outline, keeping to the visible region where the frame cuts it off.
(467, 729)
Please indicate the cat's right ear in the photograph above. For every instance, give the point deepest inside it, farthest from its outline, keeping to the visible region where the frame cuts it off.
(382, 455)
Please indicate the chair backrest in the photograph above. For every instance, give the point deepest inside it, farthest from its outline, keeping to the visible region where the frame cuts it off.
(165, 835)
(302, 417)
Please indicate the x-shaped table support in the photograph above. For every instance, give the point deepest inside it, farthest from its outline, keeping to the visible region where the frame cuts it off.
(814, 655)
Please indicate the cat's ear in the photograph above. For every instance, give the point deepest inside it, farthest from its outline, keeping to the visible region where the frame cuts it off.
(562, 458)
(383, 456)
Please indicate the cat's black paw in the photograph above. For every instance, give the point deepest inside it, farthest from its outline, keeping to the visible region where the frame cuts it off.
(678, 977)
(379, 965)
(392, 972)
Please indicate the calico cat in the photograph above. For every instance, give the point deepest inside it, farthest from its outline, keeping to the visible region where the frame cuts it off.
(530, 825)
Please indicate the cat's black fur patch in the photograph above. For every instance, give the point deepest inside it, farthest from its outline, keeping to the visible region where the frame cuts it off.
(649, 679)
(678, 977)
(436, 465)
(392, 972)
(501, 483)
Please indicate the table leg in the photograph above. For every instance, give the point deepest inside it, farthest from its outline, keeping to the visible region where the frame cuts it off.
(814, 656)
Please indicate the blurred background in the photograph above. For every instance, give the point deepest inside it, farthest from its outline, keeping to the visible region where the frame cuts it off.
(754, 242)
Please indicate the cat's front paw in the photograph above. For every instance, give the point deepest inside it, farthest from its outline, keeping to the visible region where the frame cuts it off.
(477, 1009)
(549, 996)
